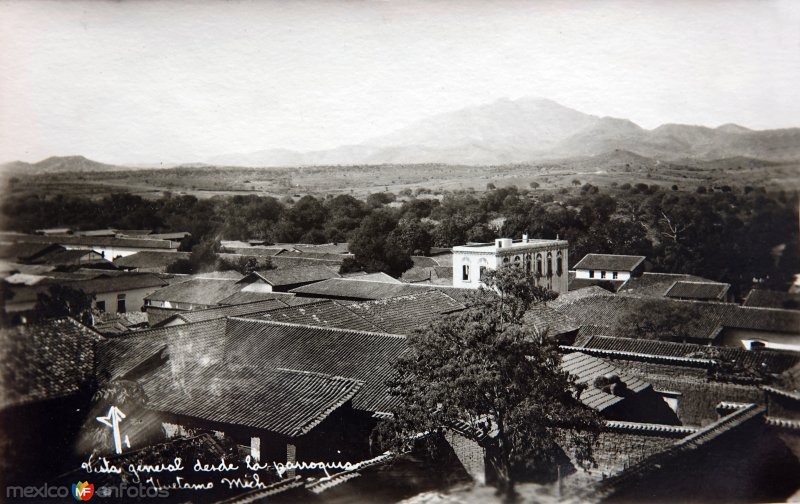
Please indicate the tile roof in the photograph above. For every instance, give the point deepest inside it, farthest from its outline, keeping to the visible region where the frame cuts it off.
(284, 401)
(611, 311)
(150, 259)
(298, 275)
(549, 321)
(711, 291)
(228, 311)
(350, 288)
(282, 262)
(376, 277)
(323, 313)
(69, 257)
(328, 248)
(199, 291)
(358, 355)
(46, 360)
(772, 361)
(609, 262)
(98, 284)
(201, 341)
(404, 314)
(243, 297)
(583, 283)
(740, 417)
(656, 284)
(587, 369)
(762, 298)
(97, 241)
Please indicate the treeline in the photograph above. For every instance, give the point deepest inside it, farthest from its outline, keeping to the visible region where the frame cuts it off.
(729, 234)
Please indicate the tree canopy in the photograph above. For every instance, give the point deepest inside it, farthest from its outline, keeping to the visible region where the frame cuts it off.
(485, 369)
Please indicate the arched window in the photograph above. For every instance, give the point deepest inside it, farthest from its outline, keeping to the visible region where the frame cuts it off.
(482, 265)
(527, 263)
(465, 270)
(559, 264)
(549, 264)
(539, 264)
(505, 260)
(517, 261)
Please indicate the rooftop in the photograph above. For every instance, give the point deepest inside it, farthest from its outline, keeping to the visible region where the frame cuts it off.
(351, 288)
(762, 298)
(322, 313)
(46, 360)
(198, 291)
(404, 314)
(587, 369)
(706, 291)
(609, 262)
(358, 355)
(237, 310)
(512, 244)
(284, 401)
(298, 275)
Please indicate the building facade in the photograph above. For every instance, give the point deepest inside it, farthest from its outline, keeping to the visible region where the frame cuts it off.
(545, 260)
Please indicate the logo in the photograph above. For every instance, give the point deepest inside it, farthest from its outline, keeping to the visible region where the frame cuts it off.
(82, 490)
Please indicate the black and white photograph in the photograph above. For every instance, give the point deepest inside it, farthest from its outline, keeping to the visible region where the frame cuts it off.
(400, 252)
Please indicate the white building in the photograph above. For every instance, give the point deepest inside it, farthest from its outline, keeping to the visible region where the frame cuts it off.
(545, 260)
(608, 266)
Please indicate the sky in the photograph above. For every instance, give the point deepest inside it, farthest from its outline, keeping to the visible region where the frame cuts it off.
(178, 81)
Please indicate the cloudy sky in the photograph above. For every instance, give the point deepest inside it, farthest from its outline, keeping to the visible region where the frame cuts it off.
(178, 81)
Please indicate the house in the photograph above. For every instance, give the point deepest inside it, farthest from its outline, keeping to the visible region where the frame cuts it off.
(656, 284)
(545, 260)
(109, 247)
(114, 292)
(719, 324)
(278, 413)
(608, 266)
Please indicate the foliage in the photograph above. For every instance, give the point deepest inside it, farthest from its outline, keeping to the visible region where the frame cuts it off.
(485, 369)
(377, 247)
(518, 291)
(64, 301)
(680, 231)
(663, 321)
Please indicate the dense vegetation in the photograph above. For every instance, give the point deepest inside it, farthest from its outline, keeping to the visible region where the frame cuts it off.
(444, 382)
(729, 234)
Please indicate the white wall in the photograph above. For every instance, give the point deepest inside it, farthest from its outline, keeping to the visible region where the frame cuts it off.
(584, 273)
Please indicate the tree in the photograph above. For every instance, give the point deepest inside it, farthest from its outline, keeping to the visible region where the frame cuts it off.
(374, 250)
(485, 368)
(64, 301)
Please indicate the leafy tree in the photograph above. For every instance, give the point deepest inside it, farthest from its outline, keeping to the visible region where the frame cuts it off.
(517, 290)
(374, 250)
(485, 368)
(64, 301)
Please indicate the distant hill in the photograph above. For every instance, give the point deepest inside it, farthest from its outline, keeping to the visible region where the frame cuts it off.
(57, 164)
(525, 130)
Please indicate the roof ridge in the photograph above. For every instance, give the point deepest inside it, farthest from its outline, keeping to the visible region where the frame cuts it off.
(624, 353)
(323, 328)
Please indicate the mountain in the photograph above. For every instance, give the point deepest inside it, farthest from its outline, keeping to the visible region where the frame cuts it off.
(530, 129)
(58, 164)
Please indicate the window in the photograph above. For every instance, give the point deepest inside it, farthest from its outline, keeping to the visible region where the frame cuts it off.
(517, 260)
(602, 274)
(465, 272)
(120, 303)
(559, 264)
(539, 264)
(505, 260)
(591, 273)
(481, 271)
(101, 306)
(614, 275)
(549, 264)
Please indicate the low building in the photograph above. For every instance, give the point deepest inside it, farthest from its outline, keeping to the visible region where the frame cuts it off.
(608, 266)
(545, 260)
